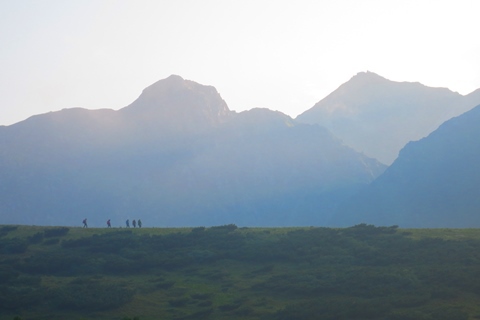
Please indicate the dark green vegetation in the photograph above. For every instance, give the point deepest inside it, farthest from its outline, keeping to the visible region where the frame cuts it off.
(362, 272)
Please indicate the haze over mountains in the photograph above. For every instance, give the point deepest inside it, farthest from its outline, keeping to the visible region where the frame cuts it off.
(379, 117)
(177, 156)
(435, 182)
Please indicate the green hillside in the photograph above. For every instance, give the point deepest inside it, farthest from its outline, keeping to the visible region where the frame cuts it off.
(362, 272)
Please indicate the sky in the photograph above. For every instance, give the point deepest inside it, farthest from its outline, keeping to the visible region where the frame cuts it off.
(281, 55)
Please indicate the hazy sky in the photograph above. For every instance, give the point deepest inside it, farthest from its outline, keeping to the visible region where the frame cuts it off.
(284, 55)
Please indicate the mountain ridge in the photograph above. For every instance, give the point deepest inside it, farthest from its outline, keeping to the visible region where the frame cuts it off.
(433, 183)
(378, 116)
(177, 156)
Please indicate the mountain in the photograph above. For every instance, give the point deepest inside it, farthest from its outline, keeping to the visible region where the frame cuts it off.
(177, 106)
(176, 156)
(435, 182)
(379, 117)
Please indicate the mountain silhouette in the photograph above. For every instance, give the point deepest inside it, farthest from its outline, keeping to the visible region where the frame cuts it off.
(178, 106)
(176, 156)
(433, 183)
(379, 117)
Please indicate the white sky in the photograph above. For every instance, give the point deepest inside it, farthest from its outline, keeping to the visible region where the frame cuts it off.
(283, 55)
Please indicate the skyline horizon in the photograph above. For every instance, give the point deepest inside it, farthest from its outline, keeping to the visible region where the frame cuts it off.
(242, 110)
(283, 56)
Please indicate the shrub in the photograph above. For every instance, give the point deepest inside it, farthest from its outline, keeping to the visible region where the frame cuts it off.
(230, 306)
(92, 295)
(36, 238)
(56, 232)
(447, 313)
(335, 309)
(51, 242)
(227, 227)
(13, 246)
(17, 297)
(54, 262)
(177, 303)
(6, 229)
(165, 284)
(7, 274)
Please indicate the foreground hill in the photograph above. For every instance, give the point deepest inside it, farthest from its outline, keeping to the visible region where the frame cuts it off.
(433, 183)
(379, 117)
(177, 156)
(361, 272)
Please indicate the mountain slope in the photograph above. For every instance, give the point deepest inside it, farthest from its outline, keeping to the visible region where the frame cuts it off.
(379, 117)
(433, 183)
(178, 106)
(176, 156)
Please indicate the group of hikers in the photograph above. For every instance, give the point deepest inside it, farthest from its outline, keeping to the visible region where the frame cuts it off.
(134, 223)
(109, 224)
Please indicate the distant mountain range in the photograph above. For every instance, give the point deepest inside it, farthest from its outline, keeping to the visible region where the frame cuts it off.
(379, 117)
(435, 182)
(177, 156)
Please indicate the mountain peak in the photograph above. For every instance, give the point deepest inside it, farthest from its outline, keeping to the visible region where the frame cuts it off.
(174, 77)
(378, 116)
(367, 75)
(176, 102)
(174, 83)
(367, 78)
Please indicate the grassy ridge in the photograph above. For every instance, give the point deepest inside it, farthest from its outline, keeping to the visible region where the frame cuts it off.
(362, 272)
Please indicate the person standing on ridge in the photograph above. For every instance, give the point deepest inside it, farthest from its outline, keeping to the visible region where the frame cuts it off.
(127, 223)
(109, 225)
(134, 223)
(139, 223)
(85, 223)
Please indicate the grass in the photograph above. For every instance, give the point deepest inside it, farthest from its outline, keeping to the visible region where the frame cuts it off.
(242, 273)
(445, 234)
